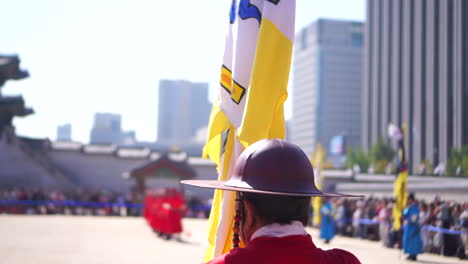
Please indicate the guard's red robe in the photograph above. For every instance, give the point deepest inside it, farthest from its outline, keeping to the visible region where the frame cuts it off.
(154, 213)
(290, 249)
(173, 223)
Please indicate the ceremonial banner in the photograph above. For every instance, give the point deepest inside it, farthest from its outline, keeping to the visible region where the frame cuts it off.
(317, 161)
(401, 181)
(254, 78)
(400, 192)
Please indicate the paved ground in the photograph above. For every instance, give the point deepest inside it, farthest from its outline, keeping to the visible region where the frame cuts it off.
(92, 240)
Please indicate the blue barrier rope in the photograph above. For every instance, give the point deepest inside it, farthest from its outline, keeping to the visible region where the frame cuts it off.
(201, 207)
(443, 230)
(368, 222)
(69, 203)
(424, 227)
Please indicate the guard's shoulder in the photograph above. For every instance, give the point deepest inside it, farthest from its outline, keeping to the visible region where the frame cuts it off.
(217, 260)
(341, 256)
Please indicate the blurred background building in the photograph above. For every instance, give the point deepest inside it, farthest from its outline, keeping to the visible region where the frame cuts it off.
(107, 129)
(183, 109)
(327, 83)
(64, 132)
(64, 165)
(416, 68)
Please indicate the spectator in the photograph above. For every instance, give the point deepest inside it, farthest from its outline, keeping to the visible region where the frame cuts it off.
(384, 221)
(424, 220)
(368, 218)
(463, 220)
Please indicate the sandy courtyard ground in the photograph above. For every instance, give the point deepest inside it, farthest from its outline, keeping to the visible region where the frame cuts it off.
(92, 240)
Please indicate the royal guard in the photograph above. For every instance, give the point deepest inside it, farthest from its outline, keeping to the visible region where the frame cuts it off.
(147, 204)
(152, 210)
(273, 181)
(327, 225)
(412, 243)
(173, 208)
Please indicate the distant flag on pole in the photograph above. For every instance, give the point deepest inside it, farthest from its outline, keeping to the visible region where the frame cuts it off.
(401, 181)
(253, 82)
(317, 160)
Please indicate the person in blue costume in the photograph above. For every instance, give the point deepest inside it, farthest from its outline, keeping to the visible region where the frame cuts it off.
(327, 225)
(412, 243)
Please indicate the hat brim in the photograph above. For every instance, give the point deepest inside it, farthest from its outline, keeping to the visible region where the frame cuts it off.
(221, 185)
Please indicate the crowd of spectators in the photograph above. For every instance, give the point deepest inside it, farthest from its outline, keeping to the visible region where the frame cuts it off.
(79, 202)
(369, 218)
(83, 202)
(443, 224)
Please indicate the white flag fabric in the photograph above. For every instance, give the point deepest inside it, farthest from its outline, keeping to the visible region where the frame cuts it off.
(253, 88)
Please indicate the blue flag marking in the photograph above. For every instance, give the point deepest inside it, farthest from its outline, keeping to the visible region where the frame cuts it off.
(248, 10)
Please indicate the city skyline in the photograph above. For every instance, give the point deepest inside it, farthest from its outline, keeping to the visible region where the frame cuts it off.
(184, 109)
(86, 56)
(107, 129)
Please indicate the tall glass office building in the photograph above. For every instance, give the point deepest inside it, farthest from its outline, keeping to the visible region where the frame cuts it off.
(416, 73)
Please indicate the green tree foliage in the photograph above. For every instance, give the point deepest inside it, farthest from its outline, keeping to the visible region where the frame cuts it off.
(458, 158)
(464, 161)
(357, 156)
(453, 162)
(428, 168)
(464, 165)
(381, 153)
(380, 166)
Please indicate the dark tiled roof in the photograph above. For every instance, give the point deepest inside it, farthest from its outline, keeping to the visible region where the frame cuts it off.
(178, 167)
(9, 69)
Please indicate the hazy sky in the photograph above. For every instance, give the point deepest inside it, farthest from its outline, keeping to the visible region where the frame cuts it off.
(88, 56)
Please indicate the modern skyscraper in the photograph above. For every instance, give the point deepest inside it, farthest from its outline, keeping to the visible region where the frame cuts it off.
(327, 83)
(183, 109)
(416, 73)
(107, 129)
(64, 132)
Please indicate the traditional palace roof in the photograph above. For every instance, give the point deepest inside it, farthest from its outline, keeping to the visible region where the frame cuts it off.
(10, 70)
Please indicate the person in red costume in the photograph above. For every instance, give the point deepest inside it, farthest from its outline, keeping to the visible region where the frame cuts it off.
(172, 207)
(274, 181)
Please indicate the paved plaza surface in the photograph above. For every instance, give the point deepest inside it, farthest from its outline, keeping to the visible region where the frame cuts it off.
(115, 240)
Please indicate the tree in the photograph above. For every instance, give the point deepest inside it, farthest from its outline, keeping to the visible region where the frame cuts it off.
(357, 156)
(464, 161)
(453, 162)
(458, 158)
(380, 155)
(428, 169)
(381, 152)
(464, 166)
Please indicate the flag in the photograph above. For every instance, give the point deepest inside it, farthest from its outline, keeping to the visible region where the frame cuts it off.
(253, 82)
(401, 181)
(317, 161)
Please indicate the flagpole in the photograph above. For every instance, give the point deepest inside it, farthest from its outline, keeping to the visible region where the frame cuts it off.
(253, 88)
(401, 181)
(317, 163)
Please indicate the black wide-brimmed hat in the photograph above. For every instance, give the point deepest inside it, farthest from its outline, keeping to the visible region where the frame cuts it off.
(271, 166)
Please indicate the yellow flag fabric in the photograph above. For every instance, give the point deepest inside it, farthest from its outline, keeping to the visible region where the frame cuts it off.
(217, 124)
(401, 182)
(263, 113)
(254, 78)
(400, 192)
(318, 159)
